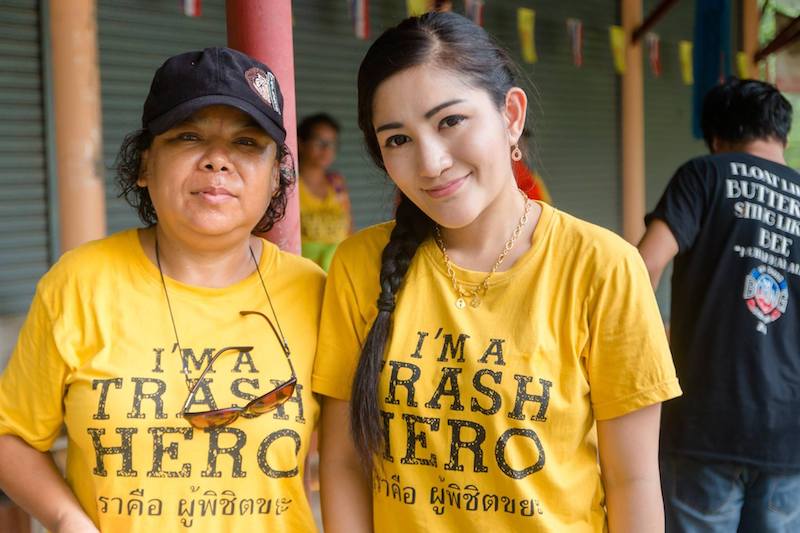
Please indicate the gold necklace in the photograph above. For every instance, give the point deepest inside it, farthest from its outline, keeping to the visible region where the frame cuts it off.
(475, 294)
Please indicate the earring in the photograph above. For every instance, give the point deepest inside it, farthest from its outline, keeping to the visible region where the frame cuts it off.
(516, 153)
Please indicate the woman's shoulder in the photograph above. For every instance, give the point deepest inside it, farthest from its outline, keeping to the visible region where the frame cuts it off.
(96, 258)
(367, 243)
(590, 242)
(91, 268)
(357, 260)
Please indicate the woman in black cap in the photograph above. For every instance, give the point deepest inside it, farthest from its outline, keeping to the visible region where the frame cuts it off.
(177, 355)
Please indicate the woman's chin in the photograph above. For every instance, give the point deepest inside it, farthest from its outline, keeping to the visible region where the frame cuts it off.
(218, 227)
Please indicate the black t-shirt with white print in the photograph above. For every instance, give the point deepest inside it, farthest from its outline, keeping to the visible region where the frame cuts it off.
(735, 323)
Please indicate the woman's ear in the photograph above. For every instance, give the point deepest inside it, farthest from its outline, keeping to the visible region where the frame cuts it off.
(514, 113)
(141, 181)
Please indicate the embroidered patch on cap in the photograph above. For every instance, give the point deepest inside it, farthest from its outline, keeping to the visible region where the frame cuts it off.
(265, 85)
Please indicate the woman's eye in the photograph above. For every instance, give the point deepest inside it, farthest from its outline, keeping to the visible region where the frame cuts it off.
(188, 136)
(397, 140)
(452, 120)
(246, 141)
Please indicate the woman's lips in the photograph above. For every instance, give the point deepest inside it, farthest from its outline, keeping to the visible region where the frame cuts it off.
(446, 189)
(215, 195)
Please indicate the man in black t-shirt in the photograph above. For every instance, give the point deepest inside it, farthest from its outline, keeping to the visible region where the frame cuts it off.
(730, 446)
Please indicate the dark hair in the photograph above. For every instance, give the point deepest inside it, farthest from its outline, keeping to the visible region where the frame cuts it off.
(447, 41)
(129, 165)
(745, 110)
(310, 122)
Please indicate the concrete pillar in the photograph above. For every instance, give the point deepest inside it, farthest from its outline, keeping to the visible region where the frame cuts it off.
(78, 128)
(633, 178)
(263, 30)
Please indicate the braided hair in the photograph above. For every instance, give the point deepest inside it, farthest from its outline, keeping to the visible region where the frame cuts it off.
(447, 41)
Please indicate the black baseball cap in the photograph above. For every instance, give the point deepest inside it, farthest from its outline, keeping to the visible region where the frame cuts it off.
(194, 80)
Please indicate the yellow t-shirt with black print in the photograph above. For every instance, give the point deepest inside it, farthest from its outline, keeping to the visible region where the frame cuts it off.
(98, 354)
(490, 411)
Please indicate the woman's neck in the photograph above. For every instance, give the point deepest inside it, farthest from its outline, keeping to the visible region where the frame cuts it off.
(312, 174)
(478, 245)
(216, 263)
(315, 180)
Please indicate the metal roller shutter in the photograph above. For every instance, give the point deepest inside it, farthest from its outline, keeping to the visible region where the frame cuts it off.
(24, 242)
(135, 37)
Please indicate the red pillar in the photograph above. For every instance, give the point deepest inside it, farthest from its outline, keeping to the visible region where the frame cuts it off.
(263, 30)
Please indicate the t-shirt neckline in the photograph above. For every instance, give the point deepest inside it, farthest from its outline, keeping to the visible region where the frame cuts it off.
(430, 250)
(265, 263)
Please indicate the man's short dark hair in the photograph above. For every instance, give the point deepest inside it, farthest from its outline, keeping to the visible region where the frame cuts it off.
(745, 110)
(306, 127)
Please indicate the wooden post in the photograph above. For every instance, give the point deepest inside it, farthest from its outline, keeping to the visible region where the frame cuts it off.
(633, 179)
(78, 126)
(750, 23)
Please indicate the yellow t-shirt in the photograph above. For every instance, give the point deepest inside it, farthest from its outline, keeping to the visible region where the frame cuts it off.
(97, 353)
(490, 411)
(322, 220)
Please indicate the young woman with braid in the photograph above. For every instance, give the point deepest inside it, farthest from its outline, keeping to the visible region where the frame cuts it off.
(485, 349)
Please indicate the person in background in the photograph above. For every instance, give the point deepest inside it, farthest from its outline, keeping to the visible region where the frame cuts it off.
(325, 217)
(730, 446)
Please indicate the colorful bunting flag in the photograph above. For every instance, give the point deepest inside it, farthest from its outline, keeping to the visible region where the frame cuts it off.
(616, 36)
(415, 8)
(654, 53)
(526, 24)
(474, 11)
(192, 8)
(685, 51)
(742, 65)
(575, 31)
(359, 13)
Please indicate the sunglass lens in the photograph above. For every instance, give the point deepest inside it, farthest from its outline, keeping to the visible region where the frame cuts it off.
(213, 419)
(272, 399)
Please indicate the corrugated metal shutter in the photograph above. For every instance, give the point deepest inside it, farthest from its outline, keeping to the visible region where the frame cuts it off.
(576, 118)
(668, 115)
(135, 37)
(327, 56)
(24, 245)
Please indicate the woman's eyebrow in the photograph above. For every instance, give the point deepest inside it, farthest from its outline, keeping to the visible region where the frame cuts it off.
(428, 114)
(439, 107)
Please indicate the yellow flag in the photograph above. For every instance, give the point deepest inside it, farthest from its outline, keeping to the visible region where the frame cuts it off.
(526, 24)
(616, 36)
(685, 50)
(743, 65)
(417, 7)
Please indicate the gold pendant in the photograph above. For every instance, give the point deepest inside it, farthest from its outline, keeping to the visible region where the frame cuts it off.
(460, 303)
(475, 302)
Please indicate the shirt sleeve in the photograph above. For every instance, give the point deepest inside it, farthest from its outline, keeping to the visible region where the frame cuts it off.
(33, 384)
(684, 203)
(341, 334)
(629, 362)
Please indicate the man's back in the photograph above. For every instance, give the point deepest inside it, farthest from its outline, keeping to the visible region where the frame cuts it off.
(735, 326)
